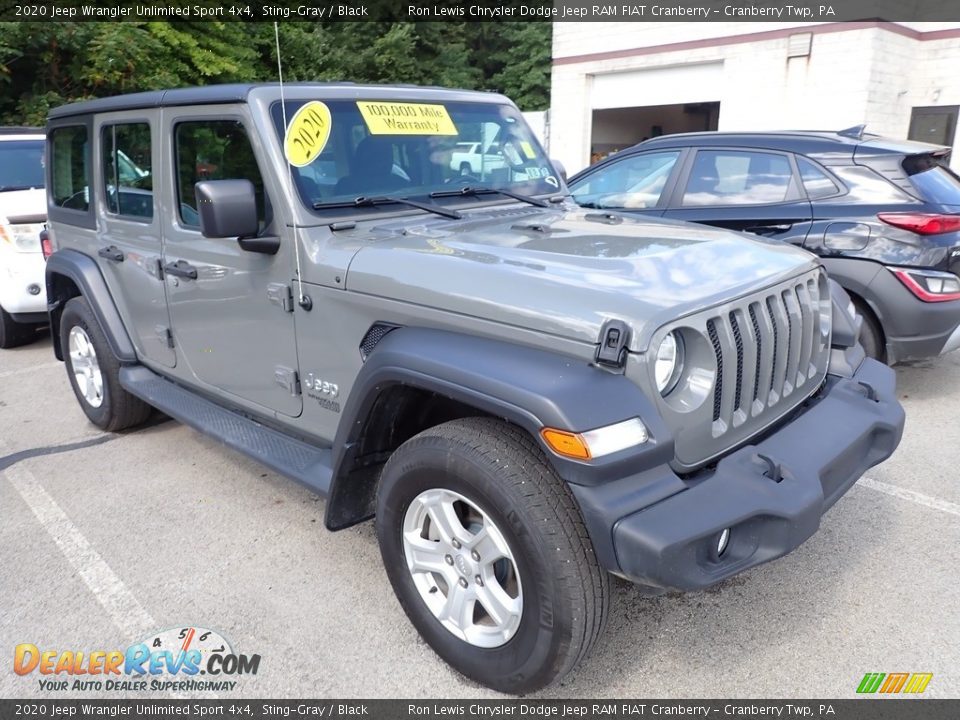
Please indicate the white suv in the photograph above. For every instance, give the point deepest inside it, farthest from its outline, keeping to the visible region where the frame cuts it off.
(23, 211)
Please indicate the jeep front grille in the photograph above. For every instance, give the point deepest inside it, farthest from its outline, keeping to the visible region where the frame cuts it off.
(760, 356)
(776, 355)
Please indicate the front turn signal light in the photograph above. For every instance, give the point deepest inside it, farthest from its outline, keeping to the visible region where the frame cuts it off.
(566, 443)
(596, 443)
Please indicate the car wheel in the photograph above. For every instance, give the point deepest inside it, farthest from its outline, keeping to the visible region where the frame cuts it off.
(488, 554)
(466, 169)
(14, 334)
(94, 371)
(871, 337)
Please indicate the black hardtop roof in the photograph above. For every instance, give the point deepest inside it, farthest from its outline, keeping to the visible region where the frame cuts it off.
(808, 142)
(238, 93)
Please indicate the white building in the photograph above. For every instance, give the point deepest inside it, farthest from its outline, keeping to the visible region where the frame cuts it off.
(615, 84)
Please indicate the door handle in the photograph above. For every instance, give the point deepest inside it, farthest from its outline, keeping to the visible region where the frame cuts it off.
(180, 268)
(111, 252)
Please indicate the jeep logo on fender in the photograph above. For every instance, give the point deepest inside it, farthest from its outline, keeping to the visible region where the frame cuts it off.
(323, 387)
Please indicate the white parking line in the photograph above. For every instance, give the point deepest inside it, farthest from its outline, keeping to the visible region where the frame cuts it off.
(911, 495)
(123, 608)
(24, 371)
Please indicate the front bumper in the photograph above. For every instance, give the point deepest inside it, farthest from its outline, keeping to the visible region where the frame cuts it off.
(818, 455)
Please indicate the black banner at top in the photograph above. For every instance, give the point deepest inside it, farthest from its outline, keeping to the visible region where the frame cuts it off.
(507, 709)
(478, 10)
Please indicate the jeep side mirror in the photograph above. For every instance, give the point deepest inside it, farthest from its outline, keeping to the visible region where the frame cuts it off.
(227, 208)
(559, 168)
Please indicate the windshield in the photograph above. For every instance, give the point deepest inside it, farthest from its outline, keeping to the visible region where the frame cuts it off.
(362, 148)
(21, 164)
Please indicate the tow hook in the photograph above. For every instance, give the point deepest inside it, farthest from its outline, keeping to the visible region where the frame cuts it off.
(869, 391)
(773, 469)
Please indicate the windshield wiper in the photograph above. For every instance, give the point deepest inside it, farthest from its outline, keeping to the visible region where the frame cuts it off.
(385, 200)
(474, 191)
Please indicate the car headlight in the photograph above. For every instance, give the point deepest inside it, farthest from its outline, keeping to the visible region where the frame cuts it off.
(669, 363)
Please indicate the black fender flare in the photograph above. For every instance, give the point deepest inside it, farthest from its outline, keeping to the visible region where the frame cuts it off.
(529, 387)
(856, 275)
(82, 270)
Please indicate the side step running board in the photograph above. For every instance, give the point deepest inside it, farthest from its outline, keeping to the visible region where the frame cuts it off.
(297, 460)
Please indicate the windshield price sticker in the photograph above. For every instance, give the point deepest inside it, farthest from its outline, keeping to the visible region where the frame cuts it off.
(307, 134)
(392, 118)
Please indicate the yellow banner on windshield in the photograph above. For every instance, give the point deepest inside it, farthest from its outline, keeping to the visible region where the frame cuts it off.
(392, 118)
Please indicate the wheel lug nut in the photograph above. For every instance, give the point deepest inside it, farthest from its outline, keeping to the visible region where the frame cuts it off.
(456, 543)
(448, 559)
(479, 581)
(463, 582)
(475, 555)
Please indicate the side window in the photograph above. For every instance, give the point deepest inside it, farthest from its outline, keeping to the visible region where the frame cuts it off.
(736, 177)
(634, 182)
(125, 163)
(815, 181)
(70, 171)
(214, 150)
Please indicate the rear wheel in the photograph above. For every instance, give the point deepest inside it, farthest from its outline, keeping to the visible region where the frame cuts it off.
(94, 371)
(871, 336)
(488, 555)
(14, 334)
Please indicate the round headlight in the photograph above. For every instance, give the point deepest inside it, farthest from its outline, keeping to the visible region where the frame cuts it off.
(669, 363)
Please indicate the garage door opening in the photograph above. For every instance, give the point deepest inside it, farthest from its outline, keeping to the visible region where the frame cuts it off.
(617, 128)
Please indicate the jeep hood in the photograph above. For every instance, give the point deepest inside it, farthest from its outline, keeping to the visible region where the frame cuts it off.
(564, 272)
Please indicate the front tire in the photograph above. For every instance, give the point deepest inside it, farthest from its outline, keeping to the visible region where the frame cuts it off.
(488, 554)
(94, 371)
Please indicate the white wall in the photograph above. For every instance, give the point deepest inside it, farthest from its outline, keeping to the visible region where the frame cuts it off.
(854, 74)
(537, 120)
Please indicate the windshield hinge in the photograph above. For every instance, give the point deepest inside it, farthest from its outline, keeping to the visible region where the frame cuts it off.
(612, 351)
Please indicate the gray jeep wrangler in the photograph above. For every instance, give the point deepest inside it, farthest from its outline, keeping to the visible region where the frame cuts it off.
(526, 396)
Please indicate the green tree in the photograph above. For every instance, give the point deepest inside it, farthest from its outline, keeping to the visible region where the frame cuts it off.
(43, 65)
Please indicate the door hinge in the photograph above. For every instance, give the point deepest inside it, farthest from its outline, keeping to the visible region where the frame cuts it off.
(280, 295)
(164, 335)
(288, 379)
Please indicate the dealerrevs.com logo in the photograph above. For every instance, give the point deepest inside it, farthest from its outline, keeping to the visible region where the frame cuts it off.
(894, 683)
(176, 660)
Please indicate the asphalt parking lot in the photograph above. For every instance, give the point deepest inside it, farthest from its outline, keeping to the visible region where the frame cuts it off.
(107, 539)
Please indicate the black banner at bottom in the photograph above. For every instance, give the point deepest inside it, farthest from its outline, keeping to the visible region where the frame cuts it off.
(859, 709)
